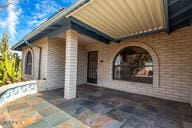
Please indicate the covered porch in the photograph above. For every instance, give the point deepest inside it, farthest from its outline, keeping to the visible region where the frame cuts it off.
(139, 24)
(121, 48)
(160, 30)
(170, 66)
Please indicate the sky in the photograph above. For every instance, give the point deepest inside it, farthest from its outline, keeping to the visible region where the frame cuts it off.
(21, 16)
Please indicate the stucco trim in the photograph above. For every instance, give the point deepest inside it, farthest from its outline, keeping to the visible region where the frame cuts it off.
(156, 66)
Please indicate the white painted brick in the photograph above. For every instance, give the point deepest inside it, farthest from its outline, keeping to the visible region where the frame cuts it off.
(174, 53)
(44, 44)
(71, 64)
(174, 59)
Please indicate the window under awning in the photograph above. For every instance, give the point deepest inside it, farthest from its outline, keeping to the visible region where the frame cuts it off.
(123, 18)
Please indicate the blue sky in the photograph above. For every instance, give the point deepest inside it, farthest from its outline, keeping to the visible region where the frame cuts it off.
(22, 16)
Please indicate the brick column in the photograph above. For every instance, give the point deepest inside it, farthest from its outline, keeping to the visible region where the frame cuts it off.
(71, 64)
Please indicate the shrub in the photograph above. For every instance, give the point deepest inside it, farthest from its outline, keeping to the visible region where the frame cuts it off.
(10, 64)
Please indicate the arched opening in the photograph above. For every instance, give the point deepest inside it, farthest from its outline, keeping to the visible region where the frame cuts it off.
(28, 63)
(134, 64)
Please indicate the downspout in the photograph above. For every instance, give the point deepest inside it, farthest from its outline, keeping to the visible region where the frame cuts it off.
(40, 52)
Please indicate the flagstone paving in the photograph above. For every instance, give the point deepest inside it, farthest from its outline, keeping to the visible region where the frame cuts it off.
(94, 107)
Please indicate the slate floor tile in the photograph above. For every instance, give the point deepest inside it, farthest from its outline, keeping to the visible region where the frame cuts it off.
(128, 108)
(57, 118)
(17, 106)
(118, 115)
(73, 109)
(79, 111)
(34, 101)
(41, 105)
(102, 109)
(98, 108)
(141, 113)
(19, 101)
(75, 112)
(56, 101)
(135, 122)
(109, 103)
(21, 113)
(28, 119)
(168, 122)
(88, 117)
(97, 94)
(149, 108)
(187, 124)
(87, 103)
(104, 121)
(39, 124)
(47, 111)
(186, 116)
(92, 97)
(165, 112)
(72, 123)
(32, 96)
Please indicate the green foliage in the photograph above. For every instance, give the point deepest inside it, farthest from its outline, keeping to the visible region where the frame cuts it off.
(10, 64)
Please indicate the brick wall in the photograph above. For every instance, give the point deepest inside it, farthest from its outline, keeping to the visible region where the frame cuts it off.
(173, 54)
(56, 64)
(82, 65)
(35, 66)
(191, 94)
(53, 63)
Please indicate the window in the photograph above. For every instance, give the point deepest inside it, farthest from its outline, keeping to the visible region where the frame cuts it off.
(133, 64)
(28, 63)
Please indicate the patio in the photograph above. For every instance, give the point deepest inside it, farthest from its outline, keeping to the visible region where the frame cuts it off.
(95, 107)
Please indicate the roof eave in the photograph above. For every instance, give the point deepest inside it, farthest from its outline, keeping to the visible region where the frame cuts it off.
(50, 21)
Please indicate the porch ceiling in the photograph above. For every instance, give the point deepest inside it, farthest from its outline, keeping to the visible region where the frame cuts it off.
(82, 39)
(122, 18)
(115, 20)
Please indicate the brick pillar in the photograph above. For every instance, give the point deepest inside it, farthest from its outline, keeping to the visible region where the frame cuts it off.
(71, 64)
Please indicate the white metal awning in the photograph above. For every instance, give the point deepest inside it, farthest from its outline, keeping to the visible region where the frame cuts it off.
(122, 18)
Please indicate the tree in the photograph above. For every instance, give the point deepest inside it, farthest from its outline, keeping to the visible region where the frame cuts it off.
(5, 4)
(10, 65)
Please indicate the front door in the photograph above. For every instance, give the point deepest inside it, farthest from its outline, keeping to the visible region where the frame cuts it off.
(92, 67)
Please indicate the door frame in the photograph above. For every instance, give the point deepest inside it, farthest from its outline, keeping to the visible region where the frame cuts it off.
(88, 67)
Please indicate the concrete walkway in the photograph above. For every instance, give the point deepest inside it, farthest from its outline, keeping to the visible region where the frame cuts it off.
(95, 107)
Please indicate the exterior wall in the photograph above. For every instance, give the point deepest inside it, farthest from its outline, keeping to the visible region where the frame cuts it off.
(53, 63)
(56, 64)
(82, 65)
(172, 53)
(191, 96)
(35, 56)
(191, 88)
(35, 65)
